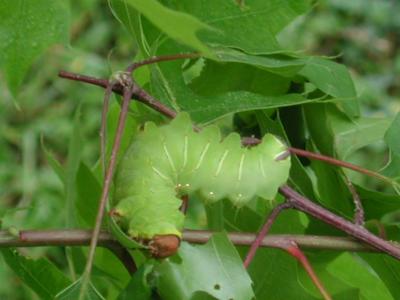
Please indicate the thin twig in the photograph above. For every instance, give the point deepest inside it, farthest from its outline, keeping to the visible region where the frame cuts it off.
(106, 187)
(263, 232)
(339, 163)
(82, 237)
(67, 237)
(293, 249)
(138, 94)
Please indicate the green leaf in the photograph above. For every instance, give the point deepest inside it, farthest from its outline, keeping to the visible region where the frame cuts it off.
(54, 163)
(138, 285)
(387, 268)
(392, 140)
(40, 275)
(350, 136)
(27, 29)
(377, 204)
(73, 292)
(214, 81)
(331, 188)
(88, 195)
(251, 27)
(335, 134)
(74, 159)
(360, 277)
(279, 64)
(168, 84)
(179, 26)
(215, 268)
(333, 79)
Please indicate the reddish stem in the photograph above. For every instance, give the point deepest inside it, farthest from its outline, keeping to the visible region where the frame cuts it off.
(292, 248)
(263, 232)
(336, 162)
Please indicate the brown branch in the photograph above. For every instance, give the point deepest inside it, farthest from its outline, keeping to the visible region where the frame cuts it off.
(303, 204)
(139, 94)
(68, 237)
(81, 237)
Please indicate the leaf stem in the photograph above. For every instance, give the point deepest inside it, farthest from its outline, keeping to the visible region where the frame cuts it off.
(293, 249)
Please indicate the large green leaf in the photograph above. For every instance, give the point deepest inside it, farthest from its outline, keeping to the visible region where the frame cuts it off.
(250, 26)
(388, 269)
(335, 134)
(40, 275)
(370, 286)
(351, 135)
(168, 84)
(180, 26)
(214, 268)
(27, 28)
(333, 79)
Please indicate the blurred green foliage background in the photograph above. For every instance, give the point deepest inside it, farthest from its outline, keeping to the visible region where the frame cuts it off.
(362, 34)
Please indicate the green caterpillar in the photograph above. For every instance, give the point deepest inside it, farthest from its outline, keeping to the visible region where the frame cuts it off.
(164, 163)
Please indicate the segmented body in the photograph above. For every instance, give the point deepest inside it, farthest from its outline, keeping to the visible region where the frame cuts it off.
(166, 162)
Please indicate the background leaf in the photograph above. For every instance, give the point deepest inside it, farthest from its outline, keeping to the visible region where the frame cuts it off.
(36, 273)
(27, 29)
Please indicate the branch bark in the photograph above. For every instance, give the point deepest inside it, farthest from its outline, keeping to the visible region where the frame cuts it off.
(81, 237)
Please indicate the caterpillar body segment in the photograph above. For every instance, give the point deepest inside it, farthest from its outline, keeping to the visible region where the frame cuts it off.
(166, 162)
